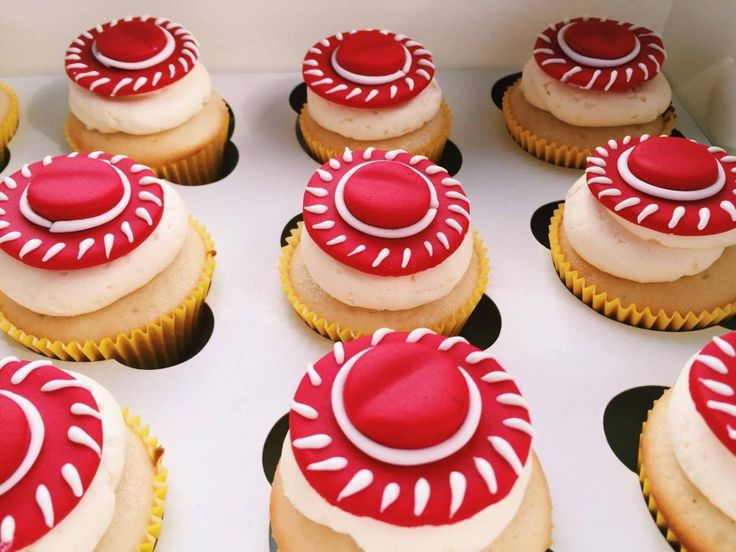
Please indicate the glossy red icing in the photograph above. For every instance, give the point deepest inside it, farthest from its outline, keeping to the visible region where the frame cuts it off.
(346, 68)
(660, 163)
(409, 203)
(406, 395)
(16, 437)
(601, 39)
(163, 50)
(391, 351)
(674, 164)
(71, 188)
(605, 41)
(57, 449)
(713, 391)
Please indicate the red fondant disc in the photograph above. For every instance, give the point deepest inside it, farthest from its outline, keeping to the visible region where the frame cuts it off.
(368, 68)
(53, 446)
(79, 211)
(713, 387)
(131, 56)
(429, 411)
(667, 184)
(599, 54)
(386, 213)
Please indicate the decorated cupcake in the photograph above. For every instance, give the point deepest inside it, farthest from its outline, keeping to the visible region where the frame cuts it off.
(688, 452)
(8, 119)
(77, 473)
(385, 241)
(99, 259)
(647, 235)
(409, 442)
(589, 80)
(376, 89)
(137, 88)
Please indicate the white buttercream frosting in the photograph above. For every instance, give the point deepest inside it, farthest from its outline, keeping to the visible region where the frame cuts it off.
(723, 239)
(469, 535)
(376, 123)
(598, 238)
(142, 114)
(595, 108)
(75, 292)
(82, 529)
(360, 289)
(708, 464)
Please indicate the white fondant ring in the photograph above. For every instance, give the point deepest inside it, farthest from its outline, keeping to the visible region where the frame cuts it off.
(37, 430)
(594, 62)
(66, 226)
(167, 50)
(371, 79)
(389, 233)
(664, 193)
(404, 457)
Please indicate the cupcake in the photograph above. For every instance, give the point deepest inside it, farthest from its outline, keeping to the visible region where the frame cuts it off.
(374, 89)
(589, 80)
(137, 88)
(99, 259)
(8, 120)
(77, 472)
(688, 452)
(647, 235)
(385, 241)
(409, 442)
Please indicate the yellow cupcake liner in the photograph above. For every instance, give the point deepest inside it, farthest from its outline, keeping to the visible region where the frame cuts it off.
(155, 453)
(451, 325)
(551, 152)
(9, 124)
(159, 343)
(652, 503)
(613, 307)
(432, 150)
(202, 167)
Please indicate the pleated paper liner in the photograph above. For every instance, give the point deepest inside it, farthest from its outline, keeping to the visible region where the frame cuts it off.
(433, 150)
(9, 124)
(336, 332)
(551, 152)
(155, 453)
(652, 505)
(202, 167)
(614, 308)
(158, 343)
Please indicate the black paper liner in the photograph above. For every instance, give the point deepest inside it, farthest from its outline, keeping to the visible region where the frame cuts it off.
(539, 223)
(623, 419)
(452, 157)
(483, 325)
(6, 159)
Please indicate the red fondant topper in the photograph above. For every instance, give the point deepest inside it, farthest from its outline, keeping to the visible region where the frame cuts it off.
(368, 68)
(599, 54)
(410, 429)
(78, 210)
(135, 55)
(667, 184)
(713, 387)
(387, 213)
(50, 447)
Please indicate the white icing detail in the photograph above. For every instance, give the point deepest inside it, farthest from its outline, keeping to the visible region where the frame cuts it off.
(337, 240)
(478, 356)
(314, 378)
(614, 76)
(646, 211)
(417, 334)
(322, 81)
(137, 167)
(156, 78)
(165, 52)
(507, 452)
(109, 241)
(372, 94)
(43, 499)
(485, 470)
(452, 223)
(304, 410)
(422, 492)
(656, 63)
(450, 182)
(512, 399)
(311, 62)
(314, 73)
(57, 385)
(4, 224)
(543, 51)
(393, 90)
(7, 360)
(10, 183)
(337, 88)
(22, 373)
(380, 257)
(570, 73)
(591, 82)
(601, 151)
(37, 431)
(458, 486)
(393, 154)
(428, 247)
(450, 342)
(142, 213)
(317, 209)
(368, 153)
(357, 250)
(128, 231)
(338, 350)
(595, 170)
(81, 409)
(336, 463)
(30, 245)
(347, 155)
(714, 363)
(334, 164)
(703, 218)
(725, 347)
(600, 180)
(609, 192)
(25, 171)
(644, 70)
(360, 481)
(390, 494)
(677, 214)
(379, 334)
(318, 441)
(459, 210)
(718, 387)
(406, 257)
(120, 85)
(84, 246)
(457, 195)
(629, 202)
(98, 82)
(442, 238)
(497, 376)
(720, 406)
(10, 236)
(596, 161)
(553, 61)
(7, 530)
(148, 196)
(410, 83)
(317, 192)
(77, 435)
(71, 476)
(521, 425)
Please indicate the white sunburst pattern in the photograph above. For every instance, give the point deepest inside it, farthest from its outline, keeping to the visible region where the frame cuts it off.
(57, 413)
(449, 476)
